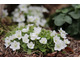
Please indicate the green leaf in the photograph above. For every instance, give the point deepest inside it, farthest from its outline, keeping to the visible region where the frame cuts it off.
(65, 10)
(29, 51)
(52, 50)
(24, 46)
(1, 31)
(73, 29)
(57, 11)
(59, 20)
(76, 5)
(75, 15)
(43, 50)
(68, 19)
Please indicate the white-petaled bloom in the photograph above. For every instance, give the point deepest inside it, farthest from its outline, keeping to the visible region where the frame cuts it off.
(62, 31)
(37, 20)
(18, 34)
(16, 14)
(5, 13)
(63, 35)
(37, 30)
(25, 38)
(26, 35)
(30, 18)
(66, 41)
(7, 43)
(23, 7)
(21, 25)
(44, 9)
(59, 45)
(12, 37)
(35, 9)
(53, 33)
(56, 39)
(34, 36)
(43, 41)
(43, 22)
(25, 29)
(31, 45)
(15, 11)
(27, 26)
(15, 45)
(34, 19)
(21, 18)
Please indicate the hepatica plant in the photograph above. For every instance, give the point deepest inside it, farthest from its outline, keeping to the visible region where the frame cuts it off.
(31, 38)
(29, 14)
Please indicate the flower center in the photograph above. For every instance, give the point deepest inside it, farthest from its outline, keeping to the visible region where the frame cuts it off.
(15, 45)
(30, 46)
(18, 35)
(58, 46)
(43, 42)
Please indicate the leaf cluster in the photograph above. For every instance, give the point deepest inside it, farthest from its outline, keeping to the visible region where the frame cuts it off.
(68, 18)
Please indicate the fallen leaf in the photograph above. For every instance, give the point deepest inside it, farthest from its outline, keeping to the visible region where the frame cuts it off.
(51, 54)
(68, 49)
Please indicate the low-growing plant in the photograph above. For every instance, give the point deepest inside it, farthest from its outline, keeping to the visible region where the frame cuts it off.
(31, 38)
(27, 14)
(68, 18)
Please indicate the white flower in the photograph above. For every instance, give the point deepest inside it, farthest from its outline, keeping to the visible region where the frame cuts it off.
(43, 41)
(26, 35)
(37, 30)
(43, 22)
(44, 9)
(27, 26)
(18, 34)
(62, 31)
(56, 39)
(63, 35)
(16, 14)
(12, 37)
(30, 45)
(35, 9)
(5, 13)
(66, 41)
(21, 18)
(23, 7)
(7, 43)
(15, 45)
(25, 29)
(15, 11)
(37, 20)
(34, 36)
(59, 45)
(34, 19)
(53, 33)
(30, 18)
(25, 39)
(21, 25)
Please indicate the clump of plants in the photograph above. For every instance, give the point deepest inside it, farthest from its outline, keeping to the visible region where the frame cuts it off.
(68, 18)
(27, 14)
(31, 38)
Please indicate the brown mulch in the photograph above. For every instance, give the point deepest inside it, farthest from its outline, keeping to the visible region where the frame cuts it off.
(72, 51)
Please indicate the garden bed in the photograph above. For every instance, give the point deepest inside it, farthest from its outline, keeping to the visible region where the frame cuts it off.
(48, 39)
